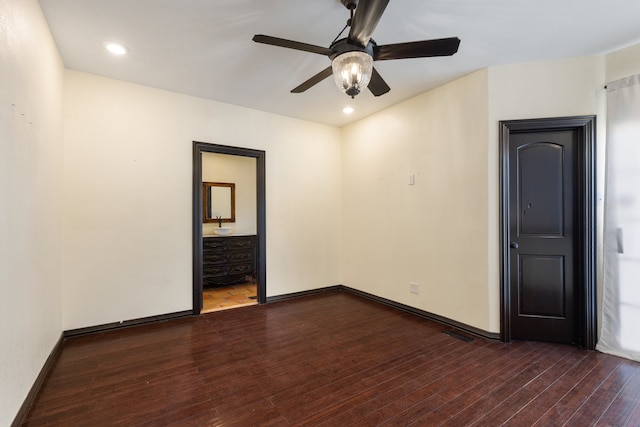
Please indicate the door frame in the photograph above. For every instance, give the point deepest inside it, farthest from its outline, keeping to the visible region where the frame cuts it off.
(585, 214)
(259, 155)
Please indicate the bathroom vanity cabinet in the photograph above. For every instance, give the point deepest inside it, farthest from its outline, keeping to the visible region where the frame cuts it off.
(228, 259)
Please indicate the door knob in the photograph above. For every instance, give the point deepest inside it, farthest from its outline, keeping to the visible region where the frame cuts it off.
(514, 245)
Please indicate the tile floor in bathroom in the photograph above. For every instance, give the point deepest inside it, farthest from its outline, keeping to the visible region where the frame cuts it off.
(239, 295)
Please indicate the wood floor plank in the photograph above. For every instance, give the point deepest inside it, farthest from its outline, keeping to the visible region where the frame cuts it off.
(394, 387)
(529, 389)
(326, 360)
(529, 414)
(383, 398)
(622, 408)
(602, 398)
(492, 378)
(634, 419)
(335, 395)
(563, 410)
(437, 390)
(492, 399)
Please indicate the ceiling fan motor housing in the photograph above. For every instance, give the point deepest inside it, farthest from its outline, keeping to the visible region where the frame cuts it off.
(343, 46)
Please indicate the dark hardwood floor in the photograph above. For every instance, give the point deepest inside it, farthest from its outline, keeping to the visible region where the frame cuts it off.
(331, 359)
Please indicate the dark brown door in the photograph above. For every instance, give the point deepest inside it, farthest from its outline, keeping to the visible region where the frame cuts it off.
(542, 233)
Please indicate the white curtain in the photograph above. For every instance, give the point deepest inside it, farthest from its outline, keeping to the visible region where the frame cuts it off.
(620, 332)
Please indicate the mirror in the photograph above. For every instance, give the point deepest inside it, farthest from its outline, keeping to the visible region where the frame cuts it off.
(218, 200)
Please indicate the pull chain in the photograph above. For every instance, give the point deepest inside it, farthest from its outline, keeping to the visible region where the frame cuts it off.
(345, 27)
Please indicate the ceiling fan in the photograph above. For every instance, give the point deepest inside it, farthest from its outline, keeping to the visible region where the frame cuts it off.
(352, 57)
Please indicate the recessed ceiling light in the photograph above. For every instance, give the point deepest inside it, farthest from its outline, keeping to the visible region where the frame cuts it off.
(347, 110)
(115, 48)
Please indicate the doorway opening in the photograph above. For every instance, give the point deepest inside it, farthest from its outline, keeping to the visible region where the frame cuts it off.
(548, 228)
(228, 267)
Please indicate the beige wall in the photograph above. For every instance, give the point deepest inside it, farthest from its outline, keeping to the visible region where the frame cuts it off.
(31, 107)
(433, 233)
(127, 180)
(623, 63)
(240, 171)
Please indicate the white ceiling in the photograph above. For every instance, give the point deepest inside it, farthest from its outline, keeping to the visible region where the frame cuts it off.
(204, 48)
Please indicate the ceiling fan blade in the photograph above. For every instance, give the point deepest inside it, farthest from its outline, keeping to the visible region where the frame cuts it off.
(377, 85)
(313, 80)
(367, 15)
(290, 44)
(421, 49)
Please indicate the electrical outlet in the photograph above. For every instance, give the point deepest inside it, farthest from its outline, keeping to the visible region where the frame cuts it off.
(414, 288)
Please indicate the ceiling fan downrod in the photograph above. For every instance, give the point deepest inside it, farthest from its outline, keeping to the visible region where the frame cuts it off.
(351, 5)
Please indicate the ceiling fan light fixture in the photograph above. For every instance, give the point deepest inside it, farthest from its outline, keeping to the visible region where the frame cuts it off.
(352, 71)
